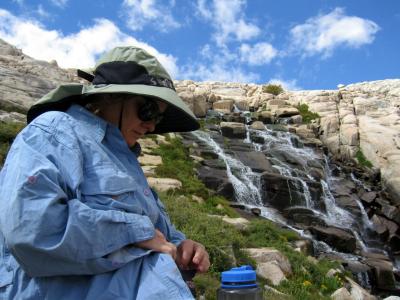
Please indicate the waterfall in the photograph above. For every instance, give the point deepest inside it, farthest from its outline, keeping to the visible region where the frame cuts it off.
(295, 163)
(335, 215)
(284, 140)
(245, 183)
(359, 182)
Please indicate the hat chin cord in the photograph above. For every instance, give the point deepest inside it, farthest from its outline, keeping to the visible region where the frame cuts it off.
(121, 113)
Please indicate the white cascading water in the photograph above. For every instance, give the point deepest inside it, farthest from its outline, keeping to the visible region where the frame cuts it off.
(335, 215)
(247, 186)
(359, 182)
(283, 142)
(343, 215)
(245, 183)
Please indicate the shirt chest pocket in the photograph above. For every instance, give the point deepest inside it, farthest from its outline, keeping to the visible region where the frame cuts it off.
(106, 187)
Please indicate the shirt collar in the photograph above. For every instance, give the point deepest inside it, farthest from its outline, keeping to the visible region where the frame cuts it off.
(96, 126)
(136, 149)
(91, 123)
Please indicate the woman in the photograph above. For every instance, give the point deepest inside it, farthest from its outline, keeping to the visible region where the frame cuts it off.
(77, 217)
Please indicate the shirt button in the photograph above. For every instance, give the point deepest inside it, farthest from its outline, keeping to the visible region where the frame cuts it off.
(146, 192)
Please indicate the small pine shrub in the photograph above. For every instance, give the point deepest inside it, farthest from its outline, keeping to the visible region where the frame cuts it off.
(307, 115)
(274, 89)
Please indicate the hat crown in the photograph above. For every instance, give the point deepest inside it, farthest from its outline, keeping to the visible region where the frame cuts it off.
(137, 55)
(124, 70)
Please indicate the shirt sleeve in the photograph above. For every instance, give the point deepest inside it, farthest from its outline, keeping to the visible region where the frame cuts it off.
(47, 228)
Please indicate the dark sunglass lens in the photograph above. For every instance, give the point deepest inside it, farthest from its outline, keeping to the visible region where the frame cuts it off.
(149, 111)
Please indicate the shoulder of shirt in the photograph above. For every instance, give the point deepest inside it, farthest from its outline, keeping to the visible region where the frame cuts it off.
(58, 124)
(52, 119)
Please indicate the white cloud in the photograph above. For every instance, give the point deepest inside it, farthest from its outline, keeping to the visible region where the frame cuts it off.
(217, 72)
(258, 54)
(59, 3)
(290, 85)
(42, 12)
(228, 19)
(217, 65)
(79, 49)
(202, 10)
(140, 13)
(322, 34)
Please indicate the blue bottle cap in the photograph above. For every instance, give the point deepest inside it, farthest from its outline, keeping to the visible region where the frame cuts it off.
(239, 278)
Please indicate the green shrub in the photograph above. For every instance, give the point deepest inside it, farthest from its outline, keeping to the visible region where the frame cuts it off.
(362, 160)
(307, 115)
(218, 237)
(207, 285)
(225, 243)
(274, 89)
(177, 164)
(8, 132)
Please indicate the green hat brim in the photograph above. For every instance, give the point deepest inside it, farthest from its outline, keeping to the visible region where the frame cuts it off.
(177, 118)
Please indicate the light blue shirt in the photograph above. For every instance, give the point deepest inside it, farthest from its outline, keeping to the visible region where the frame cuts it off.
(73, 200)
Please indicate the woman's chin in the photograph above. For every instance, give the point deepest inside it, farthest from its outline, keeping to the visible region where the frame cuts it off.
(131, 141)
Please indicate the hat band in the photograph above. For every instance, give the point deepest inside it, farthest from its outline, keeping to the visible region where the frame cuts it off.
(121, 72)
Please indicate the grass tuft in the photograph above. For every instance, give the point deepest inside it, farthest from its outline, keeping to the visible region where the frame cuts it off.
(362, 160)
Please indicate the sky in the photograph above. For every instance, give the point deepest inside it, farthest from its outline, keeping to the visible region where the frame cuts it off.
(300, 44)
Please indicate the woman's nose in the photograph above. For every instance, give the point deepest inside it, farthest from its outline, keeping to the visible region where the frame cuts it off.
(149, 125)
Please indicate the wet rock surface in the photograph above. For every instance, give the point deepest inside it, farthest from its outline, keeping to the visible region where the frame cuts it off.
(338, 238)
(300, 195)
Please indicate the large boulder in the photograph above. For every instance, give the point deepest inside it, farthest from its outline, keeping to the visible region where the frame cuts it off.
(257, 161)
(285, 112)
(335, 237)
(383, 273)
(266, 117)
(224, 106)
(233, 130)
(282, 192)
(197, 101)
(271, 264)
(257, 125)
(304, 216)
(153, 160)
(164, 184)
(216, 180)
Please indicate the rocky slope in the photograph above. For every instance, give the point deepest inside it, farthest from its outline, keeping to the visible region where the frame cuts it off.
(362, 116)
(23, 80)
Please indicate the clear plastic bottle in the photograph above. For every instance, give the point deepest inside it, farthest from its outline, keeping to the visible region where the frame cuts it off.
(239, 284)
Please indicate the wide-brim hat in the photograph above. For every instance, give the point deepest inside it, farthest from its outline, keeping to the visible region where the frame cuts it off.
(126, 70)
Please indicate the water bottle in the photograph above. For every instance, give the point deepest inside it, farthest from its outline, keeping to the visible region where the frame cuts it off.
(239, 284)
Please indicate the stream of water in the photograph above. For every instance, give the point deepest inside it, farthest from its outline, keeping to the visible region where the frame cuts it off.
(247, 186)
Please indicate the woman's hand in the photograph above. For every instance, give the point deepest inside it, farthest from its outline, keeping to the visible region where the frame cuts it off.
(159, 244)
(192, 255)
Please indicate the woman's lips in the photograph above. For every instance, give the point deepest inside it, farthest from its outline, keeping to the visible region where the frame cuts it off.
(138, 134)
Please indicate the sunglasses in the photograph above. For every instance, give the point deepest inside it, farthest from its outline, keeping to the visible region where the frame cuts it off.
(149, 111)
